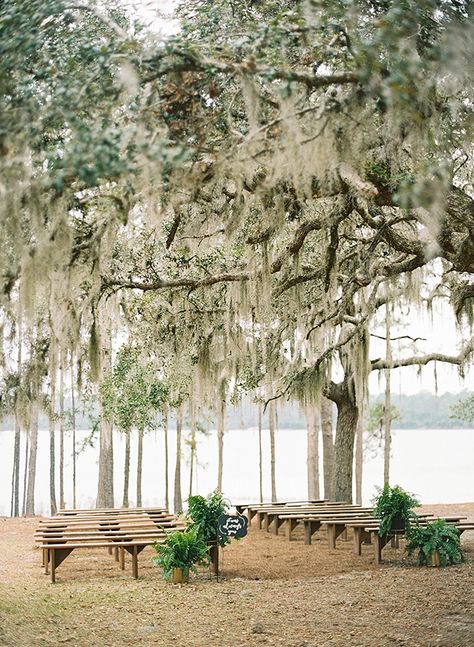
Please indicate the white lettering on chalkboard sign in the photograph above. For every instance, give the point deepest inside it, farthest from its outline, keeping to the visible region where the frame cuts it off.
(230, 525)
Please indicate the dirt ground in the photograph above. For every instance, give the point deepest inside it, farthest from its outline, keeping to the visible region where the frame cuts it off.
(272, 592)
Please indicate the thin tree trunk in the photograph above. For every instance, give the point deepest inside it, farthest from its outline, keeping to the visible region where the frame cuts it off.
(25, 474)
(220, 443)
(272, 428)
(178, 500)
(15, 504)
(14, 511)
(328, 448)
(62, 502)
(105, 490)
(52, 447)
(312, 423)
(167, 483)
(260, 453)
(126, 471)
(359, 460)
(30, 492)
(139, 468)
(73, 424)
(388, 404)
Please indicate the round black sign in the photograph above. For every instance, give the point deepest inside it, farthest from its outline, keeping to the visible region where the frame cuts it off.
(230, 525)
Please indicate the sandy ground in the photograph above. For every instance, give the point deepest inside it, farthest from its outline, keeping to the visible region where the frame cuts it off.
(272, 592)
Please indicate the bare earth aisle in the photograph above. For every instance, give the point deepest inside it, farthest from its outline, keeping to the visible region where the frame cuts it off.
(273, 593)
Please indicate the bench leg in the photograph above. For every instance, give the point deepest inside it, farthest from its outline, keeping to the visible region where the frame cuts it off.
(331, 528)
(116, 553)
(259, 520)
(110, 550)
(266, 522)
(135, 562)
(290, 526)
(122, 558)
(46, 560)
(358, 540)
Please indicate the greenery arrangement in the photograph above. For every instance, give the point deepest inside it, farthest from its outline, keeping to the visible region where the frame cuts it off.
(394, 507)
(437, 543)
(183, 550)
(204, 513)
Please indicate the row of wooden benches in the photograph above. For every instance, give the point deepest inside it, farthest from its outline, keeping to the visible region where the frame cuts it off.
(337, 518)
(119, 530)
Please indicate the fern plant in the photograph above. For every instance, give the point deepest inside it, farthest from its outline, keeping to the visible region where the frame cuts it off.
(436, 537)
(393, 503)
(181, 549)
(204, 513)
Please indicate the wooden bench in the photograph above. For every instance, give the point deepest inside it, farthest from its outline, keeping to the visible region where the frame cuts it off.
(59, 536)
(292, 520)
(243, 508)
(265, 515)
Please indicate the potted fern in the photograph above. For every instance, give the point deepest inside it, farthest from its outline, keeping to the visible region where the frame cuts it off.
(180, 553)
(394, 507)
(437, 543)
(204, 513)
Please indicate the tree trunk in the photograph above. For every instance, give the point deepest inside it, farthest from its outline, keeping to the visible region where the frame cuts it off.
(192, 447)
(73, 424)
(312, 463)
(260, 453)
(126, 471)
(220, 442)
(328, 448)
(30, 492)
(359, 460)
(387, 419)
(62, 502)
(347, 415)
(15, 503)
(25, 474)
(178, 500)
(139, 468)
(167, 484)
(52, 449)
(272, 427)
(105, 490)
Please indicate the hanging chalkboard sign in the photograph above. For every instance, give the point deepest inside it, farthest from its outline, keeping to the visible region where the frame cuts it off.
(230, 525)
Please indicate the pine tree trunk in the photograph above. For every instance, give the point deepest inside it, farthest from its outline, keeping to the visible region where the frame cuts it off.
(178, 500)
(126, 471)
(272, 428)
(312, 463)
(359, 460)
(73, 424)
(220, 443)
(167, 483)
(191, 460)
(347, 416)
(62, 502)
(328, 448)
(139, 468)
(388, 404)
(30, 491)
(52, 449)
(25, 473)
(15, 502)
(260, 453)
(105, 490)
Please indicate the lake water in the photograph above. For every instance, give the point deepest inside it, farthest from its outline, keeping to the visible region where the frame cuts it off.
(437, 465)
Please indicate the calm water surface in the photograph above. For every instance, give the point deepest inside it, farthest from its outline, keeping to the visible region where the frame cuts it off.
(438, 465)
